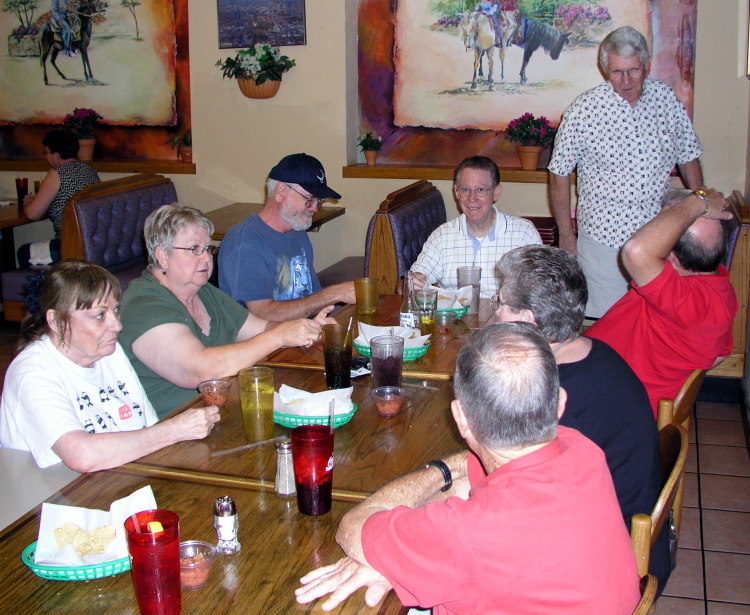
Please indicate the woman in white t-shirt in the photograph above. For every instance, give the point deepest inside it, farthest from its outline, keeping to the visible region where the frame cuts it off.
(71, 394)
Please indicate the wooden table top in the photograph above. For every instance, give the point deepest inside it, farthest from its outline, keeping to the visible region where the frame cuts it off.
(437, 363)
(369, 451)
(10, 218)
(279, 545)
(226, 217)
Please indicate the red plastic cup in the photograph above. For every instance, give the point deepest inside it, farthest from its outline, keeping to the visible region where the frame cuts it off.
(22, 189)
(155, 561)
(312, 455)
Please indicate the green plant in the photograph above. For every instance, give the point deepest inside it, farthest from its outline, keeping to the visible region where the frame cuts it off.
(369, 143)
(82, 122)
(181, 140)
(260, 63)
(529, 130)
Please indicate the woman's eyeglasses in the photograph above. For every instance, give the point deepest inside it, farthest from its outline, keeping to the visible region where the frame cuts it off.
(199, 250)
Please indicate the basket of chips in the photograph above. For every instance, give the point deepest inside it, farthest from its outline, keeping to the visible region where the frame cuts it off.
(88, 572)
(295, 420)
(410, 354)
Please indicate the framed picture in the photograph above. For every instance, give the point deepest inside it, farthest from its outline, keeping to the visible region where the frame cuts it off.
(248, 22)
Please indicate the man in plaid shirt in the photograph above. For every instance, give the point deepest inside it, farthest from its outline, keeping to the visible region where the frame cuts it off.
(479, 236)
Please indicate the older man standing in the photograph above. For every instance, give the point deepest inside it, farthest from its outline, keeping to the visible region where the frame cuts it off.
(266, 261)
(540, 500)
(479, 236)
(623, 137)
(677, 315)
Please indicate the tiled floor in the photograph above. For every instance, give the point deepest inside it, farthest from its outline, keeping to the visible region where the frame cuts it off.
(713, 562)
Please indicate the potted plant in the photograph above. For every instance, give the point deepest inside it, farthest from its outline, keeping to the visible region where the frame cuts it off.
(532, 135)
(370, 145)
(257, 69)
(184, 145)
(82, 123)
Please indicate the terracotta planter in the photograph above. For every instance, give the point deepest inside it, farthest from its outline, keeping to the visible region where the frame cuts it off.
(529, 155)
(186, 154)
(267, 89)
(371, 156)
(86, 149)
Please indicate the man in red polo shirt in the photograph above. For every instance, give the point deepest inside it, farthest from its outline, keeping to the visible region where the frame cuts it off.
(677, 315)
(527, 521)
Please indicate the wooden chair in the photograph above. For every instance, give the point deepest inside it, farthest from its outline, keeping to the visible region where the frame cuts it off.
(678, 412)
(644, 529)
(649, 585)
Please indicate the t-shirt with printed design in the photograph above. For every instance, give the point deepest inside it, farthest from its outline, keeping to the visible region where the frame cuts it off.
(623, 156)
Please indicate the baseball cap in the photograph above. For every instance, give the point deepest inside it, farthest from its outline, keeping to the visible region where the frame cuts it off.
(307, 172)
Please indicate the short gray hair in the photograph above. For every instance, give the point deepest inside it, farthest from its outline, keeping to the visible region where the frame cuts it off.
(271, 186)
(507, 382)
(624, 42)
(550, 283)
(162, 225)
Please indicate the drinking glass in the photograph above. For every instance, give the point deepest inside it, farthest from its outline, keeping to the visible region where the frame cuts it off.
(425, 300)
(387, 360)
(337, 350)
(471, 276)
(312, 456)
(154, 547)
(366, 291)
(256, 399)
(22, 189)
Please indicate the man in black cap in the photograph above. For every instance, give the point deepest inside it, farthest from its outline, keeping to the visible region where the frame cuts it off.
(266, 261)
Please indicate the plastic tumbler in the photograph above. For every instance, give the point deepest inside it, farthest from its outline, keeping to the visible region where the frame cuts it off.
(425, 301)
(387, 360)
(312, 456)
(337, 351)
(366, 292)
(471, 276)
(22, 189)
(155, 561)
(256, 400)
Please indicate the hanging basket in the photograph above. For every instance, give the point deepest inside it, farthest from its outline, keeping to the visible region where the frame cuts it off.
(86, 149)
(267, 89)
(529, 155)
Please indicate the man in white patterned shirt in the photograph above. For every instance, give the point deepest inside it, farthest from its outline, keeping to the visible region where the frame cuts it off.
(624, 137)
(479, 236)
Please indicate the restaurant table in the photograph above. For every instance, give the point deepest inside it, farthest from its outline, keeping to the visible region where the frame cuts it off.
(226, 217)
(9, 219)
(369, 451)
(437, 363)
(279, 545)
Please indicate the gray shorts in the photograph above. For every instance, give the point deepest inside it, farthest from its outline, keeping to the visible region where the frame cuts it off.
(605, 278)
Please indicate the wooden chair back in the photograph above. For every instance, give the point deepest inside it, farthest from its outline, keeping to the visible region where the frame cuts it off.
(644, 529)
(680, 410)
(649, 585)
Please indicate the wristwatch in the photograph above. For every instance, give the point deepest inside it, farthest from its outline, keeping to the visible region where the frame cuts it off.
(444, 470)
(702, 194)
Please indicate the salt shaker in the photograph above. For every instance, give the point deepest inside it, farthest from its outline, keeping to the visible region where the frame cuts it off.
(284, 468)
(226, 523)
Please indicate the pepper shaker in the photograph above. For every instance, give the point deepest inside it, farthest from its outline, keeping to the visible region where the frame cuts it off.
(284, 468)
(226, 522)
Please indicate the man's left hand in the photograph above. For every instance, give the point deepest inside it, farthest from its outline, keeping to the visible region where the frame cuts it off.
(341, 580)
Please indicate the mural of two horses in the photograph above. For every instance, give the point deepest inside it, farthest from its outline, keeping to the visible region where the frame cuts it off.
(50, 44)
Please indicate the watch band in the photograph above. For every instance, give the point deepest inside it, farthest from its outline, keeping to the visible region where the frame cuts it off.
(703, 196)
(444, 470)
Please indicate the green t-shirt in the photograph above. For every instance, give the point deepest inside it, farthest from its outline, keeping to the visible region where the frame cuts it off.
(147, 304)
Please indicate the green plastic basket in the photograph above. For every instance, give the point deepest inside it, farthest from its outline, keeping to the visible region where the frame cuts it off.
(459, 312)
(293, 420)
(410, 354)
(73, 573)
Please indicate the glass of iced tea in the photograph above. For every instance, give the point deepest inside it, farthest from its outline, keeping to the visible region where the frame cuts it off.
(256, 399)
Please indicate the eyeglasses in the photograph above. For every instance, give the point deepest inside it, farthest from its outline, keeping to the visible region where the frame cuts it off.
(481, 192)
(199, 250)
(632, 73)
(310, 201)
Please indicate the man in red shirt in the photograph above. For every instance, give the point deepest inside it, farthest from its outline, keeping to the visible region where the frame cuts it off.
(677, 315)
(527, 521)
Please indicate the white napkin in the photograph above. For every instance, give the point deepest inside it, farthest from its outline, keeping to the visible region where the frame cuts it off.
(55, 515)
(449, 299)
(7, 203)
(289, 400)
(412, 339)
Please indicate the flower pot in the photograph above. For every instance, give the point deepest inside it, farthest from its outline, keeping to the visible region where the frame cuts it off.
(186, 154)
(86, 149)
(371, 156)
(267, 89)
(529, 155)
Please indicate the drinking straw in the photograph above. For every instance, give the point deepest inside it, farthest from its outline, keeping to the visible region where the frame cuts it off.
(243, 447)
(135, 523)
(330, 413)
(347, 335)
